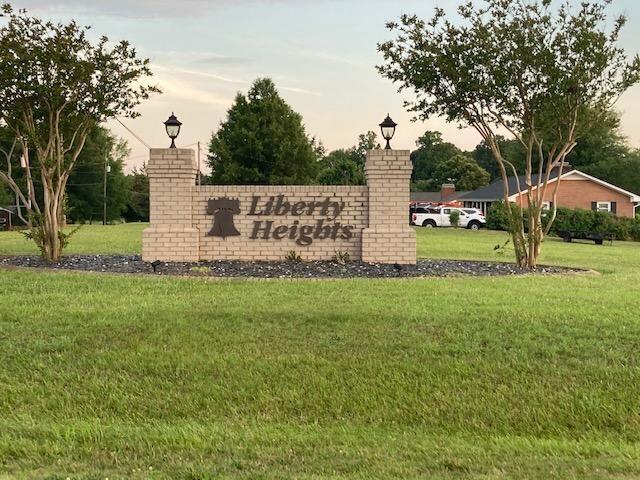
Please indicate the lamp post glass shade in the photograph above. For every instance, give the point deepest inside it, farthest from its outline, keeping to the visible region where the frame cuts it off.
(172, 125)
(388, 129)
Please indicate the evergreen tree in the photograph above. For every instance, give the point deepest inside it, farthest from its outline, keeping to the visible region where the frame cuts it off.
(263, 141)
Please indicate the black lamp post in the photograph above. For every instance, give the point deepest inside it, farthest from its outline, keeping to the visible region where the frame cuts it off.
(173, 129)
(388, 129)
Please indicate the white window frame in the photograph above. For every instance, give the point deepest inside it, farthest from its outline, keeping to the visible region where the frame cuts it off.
(603, 204)
(546, 206)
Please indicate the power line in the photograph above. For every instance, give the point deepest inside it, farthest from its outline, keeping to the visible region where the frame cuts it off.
(132, 133)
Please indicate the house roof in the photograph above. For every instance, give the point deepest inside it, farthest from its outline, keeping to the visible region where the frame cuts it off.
(494, 191)
(434, 197)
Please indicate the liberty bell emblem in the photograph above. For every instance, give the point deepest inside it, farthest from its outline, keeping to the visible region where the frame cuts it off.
(223, 209)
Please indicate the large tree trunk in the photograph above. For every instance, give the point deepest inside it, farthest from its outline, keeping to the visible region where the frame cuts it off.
(50, 237)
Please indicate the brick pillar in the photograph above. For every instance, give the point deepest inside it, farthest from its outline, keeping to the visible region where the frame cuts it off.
(171, 236)
(389, 238)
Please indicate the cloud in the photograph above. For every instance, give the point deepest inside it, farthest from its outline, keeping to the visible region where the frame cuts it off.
(177, 73)
(301, 91)
(214, 59)
(197, 73)
(176, 88)
(134, 8)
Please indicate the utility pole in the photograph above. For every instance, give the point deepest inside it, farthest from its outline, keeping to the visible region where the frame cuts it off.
(199, 173)
(104, 190)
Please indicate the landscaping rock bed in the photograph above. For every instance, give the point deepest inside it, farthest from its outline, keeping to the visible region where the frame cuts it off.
(133, 264)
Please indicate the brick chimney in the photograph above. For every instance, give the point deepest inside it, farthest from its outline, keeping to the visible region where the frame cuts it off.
(447, 192)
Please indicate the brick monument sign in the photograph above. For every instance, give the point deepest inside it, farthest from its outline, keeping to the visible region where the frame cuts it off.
(255, 222)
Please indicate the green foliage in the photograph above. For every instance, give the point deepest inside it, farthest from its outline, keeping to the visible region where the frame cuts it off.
(580, 220)
(55, 68)
(138, 207)
(431, 152)
(341, 257)
(622, 171)
(571, 220)
(512, 151)
(501, 248)
(56, 86)
(346, 167)
(340, 168)
(462, 171)
(454, 218)
(293, 256)
(37, 232)
(201, 270)
(601, 142)
(86, 182)
(262, 141)
(6, 197)
(498, 216)
(544, 71)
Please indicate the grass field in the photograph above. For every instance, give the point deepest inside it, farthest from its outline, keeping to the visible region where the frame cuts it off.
(155, 377)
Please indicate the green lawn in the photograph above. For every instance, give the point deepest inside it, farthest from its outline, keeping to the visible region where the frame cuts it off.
(89, 239)
(156, 377)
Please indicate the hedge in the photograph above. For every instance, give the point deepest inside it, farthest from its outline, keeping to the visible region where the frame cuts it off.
(577, 220)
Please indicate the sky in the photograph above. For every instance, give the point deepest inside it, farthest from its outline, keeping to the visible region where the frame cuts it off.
(320, 53)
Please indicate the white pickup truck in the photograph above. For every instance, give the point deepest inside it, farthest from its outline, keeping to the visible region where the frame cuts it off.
(430, 217)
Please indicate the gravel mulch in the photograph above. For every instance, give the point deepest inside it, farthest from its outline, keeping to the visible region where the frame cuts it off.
(318, 269)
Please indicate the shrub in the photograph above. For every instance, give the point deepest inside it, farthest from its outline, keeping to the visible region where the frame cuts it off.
(578, 220)
(293, 256)
(341, 257)
(454, 218)
(497, 216)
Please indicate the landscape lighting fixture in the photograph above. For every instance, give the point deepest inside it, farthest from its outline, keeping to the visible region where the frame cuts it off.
(173, 129)
(388, 129)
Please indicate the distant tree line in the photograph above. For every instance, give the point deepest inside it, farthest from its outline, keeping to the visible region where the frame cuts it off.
(263, 141)
(127, 196)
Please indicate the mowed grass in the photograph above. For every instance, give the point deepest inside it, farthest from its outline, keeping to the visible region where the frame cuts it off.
(125, 238)
(481, 378)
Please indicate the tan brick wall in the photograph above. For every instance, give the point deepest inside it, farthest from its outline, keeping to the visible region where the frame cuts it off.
(244, 248)
(171, 235)
(376, 214)
(580, 194)
(389, 238)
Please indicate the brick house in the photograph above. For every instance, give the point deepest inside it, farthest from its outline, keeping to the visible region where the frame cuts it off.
(577, 190)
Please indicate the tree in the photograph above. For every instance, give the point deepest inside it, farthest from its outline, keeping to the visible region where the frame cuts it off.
(462, 171)
(5, 196)
(54, 80)
(602, 142)
(623, 171)
(85, 189)
(543, 73)
(431, 151)
(346, 167)
(263, 141)
(138, 206)
(340, 168)
(511, 149)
